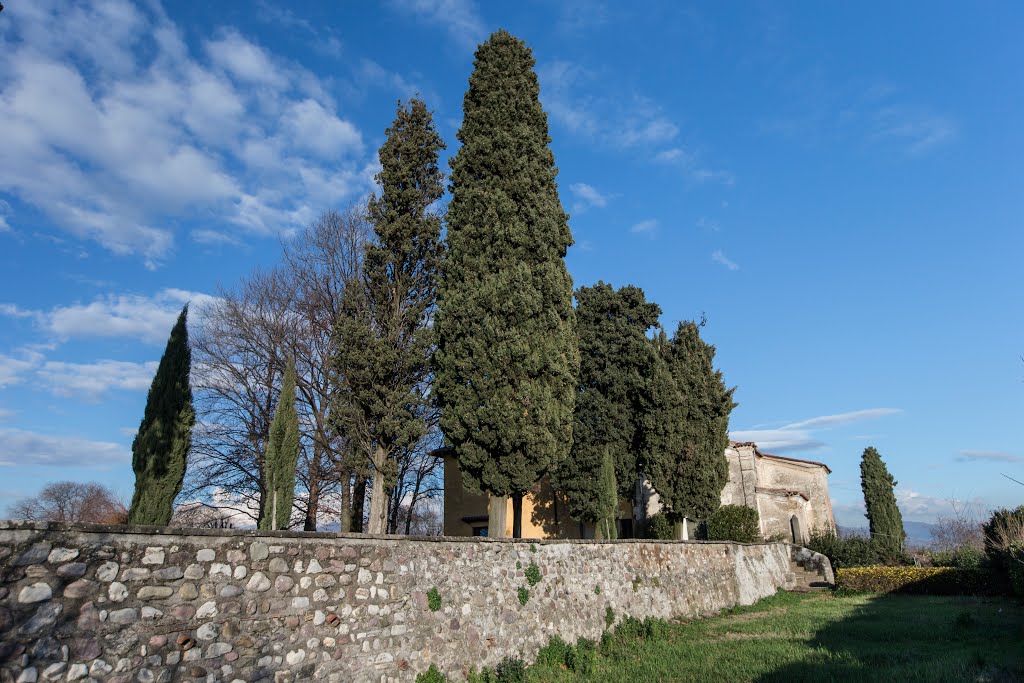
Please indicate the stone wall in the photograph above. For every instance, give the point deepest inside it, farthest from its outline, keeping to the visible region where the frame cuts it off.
(151, 605)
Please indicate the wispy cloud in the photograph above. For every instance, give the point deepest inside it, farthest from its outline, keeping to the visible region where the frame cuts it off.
(647, 227)
(779, 439)
(843, 418)
(21, 447)
(92, 380)
(989, 456)
(147, 318)
(718, 256)
(801, 435)
(587, 196)
(115, 127)
(460, 18)
(918, 131)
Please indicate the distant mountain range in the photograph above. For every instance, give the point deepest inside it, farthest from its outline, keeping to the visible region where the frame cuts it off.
(918, 533)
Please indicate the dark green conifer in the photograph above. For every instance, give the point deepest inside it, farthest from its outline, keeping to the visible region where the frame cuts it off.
(507, 358)
(387, 340)
(161, 446)
(608, 499)
(690, 480)
(884, 519)
(281, 457)
(612, 396)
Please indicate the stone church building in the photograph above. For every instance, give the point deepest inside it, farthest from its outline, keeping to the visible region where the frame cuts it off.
(790, 495)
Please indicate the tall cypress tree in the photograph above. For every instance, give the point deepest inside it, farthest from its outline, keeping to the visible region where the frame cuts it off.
(884, 519)
(384, 359)
(281, 457)
(612, 396)
(690, 480)
(507, 358)
(160, 449)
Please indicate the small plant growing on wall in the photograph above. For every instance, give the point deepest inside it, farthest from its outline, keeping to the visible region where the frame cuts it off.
(524, 595)
(597, 590)
(609, 616)
(431, 675)
(533, 575)
(433, 599)
(533, 547)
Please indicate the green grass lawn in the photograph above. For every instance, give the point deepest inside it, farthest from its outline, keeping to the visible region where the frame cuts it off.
(822, 637)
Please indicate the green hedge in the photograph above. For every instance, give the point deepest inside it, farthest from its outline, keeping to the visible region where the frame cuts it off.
(734, 523)
(922, 580)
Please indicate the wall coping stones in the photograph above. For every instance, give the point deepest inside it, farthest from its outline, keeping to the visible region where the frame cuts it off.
(139, 530)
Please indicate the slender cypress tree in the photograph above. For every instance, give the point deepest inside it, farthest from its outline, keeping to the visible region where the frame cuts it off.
(507, 357)
(608, 499)
(281, 458)
(384, 359)
(612, 396)
(690, 480)
(884, 519)
(160, 449)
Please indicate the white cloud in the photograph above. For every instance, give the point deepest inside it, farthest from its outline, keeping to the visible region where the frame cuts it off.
(148, 318)
(213, 237)
(245, 61)
(645, 227)
(920, 506)
(114, 129)
(674, 155)
(21, 447)
(93, 380)
(779, 439)
(718, 256)
(843, 418)
(800, 436)
(587, 196)
(989, 456)
(459, 17)
(14, 369)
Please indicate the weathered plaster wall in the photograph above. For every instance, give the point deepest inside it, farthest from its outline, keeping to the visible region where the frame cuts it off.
(117, 604)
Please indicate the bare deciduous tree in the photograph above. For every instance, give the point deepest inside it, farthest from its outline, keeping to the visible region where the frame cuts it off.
(70, 501)
(239, 356)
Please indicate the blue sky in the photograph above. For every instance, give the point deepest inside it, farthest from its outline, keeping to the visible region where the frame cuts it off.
(836, 186)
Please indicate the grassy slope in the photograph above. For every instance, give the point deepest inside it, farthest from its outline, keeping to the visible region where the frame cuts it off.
(820, 637)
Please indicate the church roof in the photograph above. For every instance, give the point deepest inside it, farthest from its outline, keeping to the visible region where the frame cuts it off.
(760, 454)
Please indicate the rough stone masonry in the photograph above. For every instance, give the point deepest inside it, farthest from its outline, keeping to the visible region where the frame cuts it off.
(120, 604)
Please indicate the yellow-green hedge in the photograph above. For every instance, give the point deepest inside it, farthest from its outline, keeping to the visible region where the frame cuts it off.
(921, 580)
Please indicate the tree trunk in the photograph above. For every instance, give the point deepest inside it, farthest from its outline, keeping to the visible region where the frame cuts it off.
(517, 516)
(379, 498)
(346, 502)
(313, 501)
(496, 516)
(358, 500)
(377, 524)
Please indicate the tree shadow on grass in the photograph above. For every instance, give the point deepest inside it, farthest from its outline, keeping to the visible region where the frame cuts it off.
(916, 638)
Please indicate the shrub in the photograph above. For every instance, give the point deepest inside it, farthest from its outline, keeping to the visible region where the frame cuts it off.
(659, 527)
(1017, 569)
(734, 523)
(433, 599)
(580, 659)
(1003, 530)
(920, 580)
(511, 670)
(554, 653)
(962, 558)
(533, 576)
(523, 595)
(849, 551)
(431, 675)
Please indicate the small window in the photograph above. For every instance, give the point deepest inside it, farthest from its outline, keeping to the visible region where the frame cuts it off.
(479, 531)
